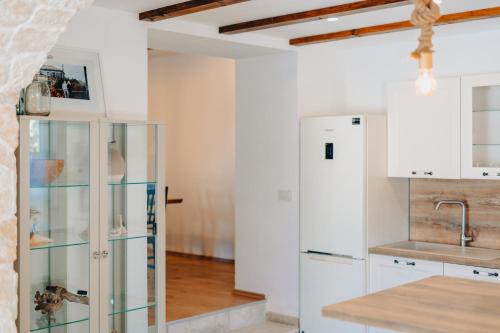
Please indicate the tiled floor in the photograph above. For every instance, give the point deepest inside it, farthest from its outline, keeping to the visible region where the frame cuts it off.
(267, 328)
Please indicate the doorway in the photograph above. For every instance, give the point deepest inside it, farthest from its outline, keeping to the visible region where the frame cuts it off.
(195, 97)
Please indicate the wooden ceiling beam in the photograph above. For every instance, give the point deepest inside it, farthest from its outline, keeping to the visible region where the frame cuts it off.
(312, 15)
(185, 8)
(472, 15)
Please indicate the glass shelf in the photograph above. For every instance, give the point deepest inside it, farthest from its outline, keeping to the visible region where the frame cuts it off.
(486, 144)
(62, 238)
(129, 237)
(55, 245)
(133, 183)
(486, 111)
(124, 303)
(58, 186)
(118, 312)
(53, 326)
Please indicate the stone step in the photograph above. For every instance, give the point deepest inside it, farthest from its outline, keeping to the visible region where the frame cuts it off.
(268, 327)
(222, 321)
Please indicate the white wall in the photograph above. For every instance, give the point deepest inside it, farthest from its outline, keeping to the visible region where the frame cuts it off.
(341, 77)
(194, 96)
(350, 76)
(121, 41)
(267, 161)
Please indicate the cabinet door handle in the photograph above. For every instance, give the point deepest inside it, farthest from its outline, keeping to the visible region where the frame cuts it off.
(428, 173)
(96, 255)
(498, 174)
(413, 172)
(485, 174)
(104, 254)
(488, 274)
(402, 262)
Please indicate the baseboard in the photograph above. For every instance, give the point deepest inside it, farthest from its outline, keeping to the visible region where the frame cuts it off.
(282, 319)
(249, 294)
(199, 257)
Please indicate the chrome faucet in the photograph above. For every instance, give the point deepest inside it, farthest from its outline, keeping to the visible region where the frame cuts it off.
(463, 237)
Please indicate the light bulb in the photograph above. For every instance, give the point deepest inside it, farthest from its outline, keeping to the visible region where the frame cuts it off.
(425, 84)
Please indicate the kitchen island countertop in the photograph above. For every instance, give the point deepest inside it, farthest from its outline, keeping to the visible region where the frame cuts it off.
(434, 305)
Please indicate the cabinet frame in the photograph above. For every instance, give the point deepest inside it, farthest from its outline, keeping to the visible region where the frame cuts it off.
(98, 221)
(468, 171)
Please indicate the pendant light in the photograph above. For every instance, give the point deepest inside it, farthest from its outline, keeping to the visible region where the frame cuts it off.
(425, 14)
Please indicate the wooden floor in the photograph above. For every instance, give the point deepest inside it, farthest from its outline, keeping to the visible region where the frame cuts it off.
(196, 286)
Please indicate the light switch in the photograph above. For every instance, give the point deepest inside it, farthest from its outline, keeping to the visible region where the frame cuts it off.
(285, 195)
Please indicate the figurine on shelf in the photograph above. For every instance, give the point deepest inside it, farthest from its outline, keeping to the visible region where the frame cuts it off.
(116, 163)
(52, 300)
(35, 238)
(84, 235)
(120, 229)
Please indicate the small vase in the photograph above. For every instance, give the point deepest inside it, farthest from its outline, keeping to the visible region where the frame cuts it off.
(37, 97)
(116, 163)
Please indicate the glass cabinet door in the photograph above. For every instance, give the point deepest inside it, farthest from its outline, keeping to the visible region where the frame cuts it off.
(59, 226)
(131, 226)
(480, 124)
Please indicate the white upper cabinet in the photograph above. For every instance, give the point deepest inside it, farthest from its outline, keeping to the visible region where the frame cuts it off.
(424, 131)
(480, 126)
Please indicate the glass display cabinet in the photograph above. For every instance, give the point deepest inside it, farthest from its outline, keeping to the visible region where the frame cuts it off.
(480, 123)
(91, 226)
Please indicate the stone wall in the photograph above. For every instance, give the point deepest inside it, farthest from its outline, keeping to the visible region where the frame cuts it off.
(28, 30)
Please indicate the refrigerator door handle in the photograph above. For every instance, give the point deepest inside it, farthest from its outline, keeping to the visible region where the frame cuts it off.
(329, 257)
(320, 253)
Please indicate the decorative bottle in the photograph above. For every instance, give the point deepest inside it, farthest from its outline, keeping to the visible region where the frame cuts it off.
(37, 97)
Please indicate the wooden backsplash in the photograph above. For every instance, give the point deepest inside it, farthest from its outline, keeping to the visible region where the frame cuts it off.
(443, 226)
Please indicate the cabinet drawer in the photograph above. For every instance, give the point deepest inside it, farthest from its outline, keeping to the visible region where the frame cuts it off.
(388, 271)
(472, 272)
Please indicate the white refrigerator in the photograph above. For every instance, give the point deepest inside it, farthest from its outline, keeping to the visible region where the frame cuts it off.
(347, 204)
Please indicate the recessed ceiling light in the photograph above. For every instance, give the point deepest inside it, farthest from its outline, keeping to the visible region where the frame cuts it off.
(332, 19)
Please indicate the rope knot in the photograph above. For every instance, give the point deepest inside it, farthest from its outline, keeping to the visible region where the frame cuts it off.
(425, 14)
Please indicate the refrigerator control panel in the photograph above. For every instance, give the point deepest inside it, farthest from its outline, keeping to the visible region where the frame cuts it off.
(329, 151)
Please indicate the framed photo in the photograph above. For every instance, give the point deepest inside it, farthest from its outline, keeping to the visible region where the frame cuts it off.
(75, 81)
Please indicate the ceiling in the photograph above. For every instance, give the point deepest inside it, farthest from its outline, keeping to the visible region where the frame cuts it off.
(256, 9)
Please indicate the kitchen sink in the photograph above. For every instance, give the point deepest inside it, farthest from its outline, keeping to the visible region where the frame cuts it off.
(448, 250)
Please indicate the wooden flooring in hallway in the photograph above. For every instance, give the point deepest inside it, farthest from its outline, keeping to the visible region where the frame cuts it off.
(197, 286)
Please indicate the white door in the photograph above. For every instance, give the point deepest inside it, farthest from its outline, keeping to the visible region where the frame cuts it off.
(424, 131)
(327, 280)
(480, 123)
(332, 185)
(472, 273)
(388, 272)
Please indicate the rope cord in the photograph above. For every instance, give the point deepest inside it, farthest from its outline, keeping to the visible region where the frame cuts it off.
(425, 14)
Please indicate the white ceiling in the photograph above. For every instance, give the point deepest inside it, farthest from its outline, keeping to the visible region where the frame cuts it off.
(256, 9)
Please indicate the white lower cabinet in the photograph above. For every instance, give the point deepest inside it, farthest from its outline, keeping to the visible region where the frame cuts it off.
(388, 272)
(472, 272)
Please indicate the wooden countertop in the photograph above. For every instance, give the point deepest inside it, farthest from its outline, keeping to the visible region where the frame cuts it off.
(471, 256)
(435, 305)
